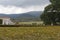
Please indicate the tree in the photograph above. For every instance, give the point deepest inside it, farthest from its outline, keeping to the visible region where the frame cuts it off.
(51, 13)
(1, 21)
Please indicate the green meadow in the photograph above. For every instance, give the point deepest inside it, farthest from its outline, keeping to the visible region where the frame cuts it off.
(30, 33)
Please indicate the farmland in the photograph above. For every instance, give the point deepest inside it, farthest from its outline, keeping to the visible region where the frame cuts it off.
(30, 23)
(30, 33)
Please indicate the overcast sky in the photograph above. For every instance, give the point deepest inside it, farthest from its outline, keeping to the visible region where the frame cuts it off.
(22, 6)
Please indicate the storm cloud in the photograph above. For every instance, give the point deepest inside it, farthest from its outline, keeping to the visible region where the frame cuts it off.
(11, 6)
(23, 3)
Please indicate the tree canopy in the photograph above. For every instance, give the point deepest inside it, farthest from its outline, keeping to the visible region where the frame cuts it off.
(51, 13)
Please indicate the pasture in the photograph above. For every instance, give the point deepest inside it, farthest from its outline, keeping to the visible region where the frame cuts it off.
(30, 33)
(31, 23)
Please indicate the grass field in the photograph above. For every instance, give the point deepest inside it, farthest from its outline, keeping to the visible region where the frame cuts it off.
(38, 22)
(30, 33)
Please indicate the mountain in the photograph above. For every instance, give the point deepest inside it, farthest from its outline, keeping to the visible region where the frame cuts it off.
(29, 16)
(35, 13)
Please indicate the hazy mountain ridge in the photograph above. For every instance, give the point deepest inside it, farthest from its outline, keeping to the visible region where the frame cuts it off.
(34, 15)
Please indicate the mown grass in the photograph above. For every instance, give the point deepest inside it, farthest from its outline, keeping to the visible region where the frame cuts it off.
(30, 33)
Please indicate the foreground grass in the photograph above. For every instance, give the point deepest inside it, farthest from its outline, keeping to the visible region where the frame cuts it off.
(30, 33)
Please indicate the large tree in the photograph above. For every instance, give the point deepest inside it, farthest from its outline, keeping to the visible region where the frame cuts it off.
(52, 13)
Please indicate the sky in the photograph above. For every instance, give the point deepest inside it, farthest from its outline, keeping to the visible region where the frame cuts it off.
(22, 6)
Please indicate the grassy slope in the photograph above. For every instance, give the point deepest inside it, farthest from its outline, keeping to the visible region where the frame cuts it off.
(30, 33)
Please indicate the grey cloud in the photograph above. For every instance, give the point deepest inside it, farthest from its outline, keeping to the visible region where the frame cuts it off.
(23, 3)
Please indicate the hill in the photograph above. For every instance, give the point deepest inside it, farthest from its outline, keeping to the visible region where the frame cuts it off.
(29, 16)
